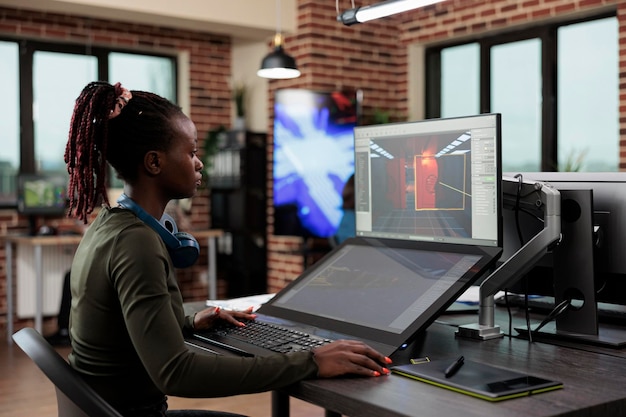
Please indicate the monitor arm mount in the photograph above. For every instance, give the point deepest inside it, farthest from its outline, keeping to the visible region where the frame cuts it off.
(517, 195)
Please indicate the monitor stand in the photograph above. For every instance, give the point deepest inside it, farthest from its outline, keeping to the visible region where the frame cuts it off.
(573, 264)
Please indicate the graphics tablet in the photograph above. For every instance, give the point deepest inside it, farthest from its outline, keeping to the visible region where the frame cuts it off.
(478, 380)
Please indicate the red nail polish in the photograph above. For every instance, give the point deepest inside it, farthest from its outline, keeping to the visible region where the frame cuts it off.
(388, 360)
(376, 373)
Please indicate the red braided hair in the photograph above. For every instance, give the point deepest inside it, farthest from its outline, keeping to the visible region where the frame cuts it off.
(144, 124)
(86, 147)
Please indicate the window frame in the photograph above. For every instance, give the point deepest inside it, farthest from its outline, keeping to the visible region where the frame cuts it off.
(26, 51)
(547, 34)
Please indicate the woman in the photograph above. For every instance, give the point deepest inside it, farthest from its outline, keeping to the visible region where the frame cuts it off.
(127, 320)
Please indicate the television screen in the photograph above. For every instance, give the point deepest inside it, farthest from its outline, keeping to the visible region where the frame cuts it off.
(41, 194)
(313, 159)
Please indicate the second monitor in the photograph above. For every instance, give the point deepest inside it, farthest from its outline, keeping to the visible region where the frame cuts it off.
(589, 266)
(432, 180)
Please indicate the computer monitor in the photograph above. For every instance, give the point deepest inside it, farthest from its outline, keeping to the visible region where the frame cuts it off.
(313, 157)
(41, 194)
(432, 180)
(609, 224)
(588, 265)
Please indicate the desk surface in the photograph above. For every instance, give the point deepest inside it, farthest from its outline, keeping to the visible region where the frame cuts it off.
(75, 239)
(201, 234)
(44, 240)
(593, 382)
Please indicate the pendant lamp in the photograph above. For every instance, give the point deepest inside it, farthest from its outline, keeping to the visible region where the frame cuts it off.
(277, 64)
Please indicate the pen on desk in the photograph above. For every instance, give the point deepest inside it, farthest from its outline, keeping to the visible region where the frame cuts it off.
(454, 366)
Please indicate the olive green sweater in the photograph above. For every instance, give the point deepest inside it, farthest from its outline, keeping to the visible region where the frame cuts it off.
(127, 324)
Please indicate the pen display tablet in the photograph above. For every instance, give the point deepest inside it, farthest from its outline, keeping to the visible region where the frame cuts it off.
(368, 278)
(381, 289)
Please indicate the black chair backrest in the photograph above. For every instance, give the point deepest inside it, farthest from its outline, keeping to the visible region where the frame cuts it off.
(74, 397)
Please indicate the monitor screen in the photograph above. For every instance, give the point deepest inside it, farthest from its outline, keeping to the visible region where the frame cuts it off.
(313, 159)
(609, 222)
(414, 281)
(433, 180)
(41, 194)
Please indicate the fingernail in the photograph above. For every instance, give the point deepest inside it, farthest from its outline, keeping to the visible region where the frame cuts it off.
(376, 373)
(388, 360)
(385, 371)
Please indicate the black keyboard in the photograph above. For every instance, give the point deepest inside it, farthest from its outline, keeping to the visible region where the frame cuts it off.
(272, 337)
(613, 313)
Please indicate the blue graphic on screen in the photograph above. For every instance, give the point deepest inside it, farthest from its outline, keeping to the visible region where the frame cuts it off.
(313, 159)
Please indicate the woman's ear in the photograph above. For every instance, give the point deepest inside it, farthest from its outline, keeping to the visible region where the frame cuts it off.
(152, 162)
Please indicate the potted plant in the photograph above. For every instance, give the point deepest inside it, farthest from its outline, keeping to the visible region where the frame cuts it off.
(239, 97)
(215, 139)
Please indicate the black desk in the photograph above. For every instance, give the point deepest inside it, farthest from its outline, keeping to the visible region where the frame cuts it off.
(593, 381)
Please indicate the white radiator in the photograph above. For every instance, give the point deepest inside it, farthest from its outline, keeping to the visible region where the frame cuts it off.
(56, 261)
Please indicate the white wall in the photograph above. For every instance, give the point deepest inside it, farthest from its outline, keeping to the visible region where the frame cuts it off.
(247, 58)
(251, 24)
(245, 19)
(416, 80)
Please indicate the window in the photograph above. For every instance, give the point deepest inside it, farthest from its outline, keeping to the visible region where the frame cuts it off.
(556, 87)
(588, 121)
(49, 77)
(460, 73)
(10, 120)
(516, 93)
(144, 72)
(58, 78)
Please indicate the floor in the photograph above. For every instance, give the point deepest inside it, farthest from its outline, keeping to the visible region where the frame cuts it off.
(26, 392)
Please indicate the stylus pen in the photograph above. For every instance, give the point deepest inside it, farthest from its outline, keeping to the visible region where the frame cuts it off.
(454, 366)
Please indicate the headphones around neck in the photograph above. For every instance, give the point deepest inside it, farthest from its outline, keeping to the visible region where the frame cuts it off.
(182, 247)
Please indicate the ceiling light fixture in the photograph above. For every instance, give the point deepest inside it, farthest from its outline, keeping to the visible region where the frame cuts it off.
(383, 9)
(277, 64)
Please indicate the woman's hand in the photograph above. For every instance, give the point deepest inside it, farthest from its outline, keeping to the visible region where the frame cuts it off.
(349, 357)
(208, 317)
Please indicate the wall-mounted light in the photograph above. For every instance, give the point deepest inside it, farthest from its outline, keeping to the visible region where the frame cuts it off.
(378, 10)
(277, 64)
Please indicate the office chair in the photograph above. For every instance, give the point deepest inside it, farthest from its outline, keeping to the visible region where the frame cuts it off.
(74, 397)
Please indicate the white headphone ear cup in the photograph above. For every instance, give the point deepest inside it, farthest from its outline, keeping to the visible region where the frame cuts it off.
(168, 222)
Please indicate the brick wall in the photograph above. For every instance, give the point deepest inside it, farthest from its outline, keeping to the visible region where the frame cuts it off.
(332, 56)
(210, 62)
(373, 57)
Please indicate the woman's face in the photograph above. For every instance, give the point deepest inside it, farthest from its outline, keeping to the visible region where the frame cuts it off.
(182, 169)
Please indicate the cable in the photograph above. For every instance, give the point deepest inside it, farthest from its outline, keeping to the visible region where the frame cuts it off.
(518, 197)
(517, 210)
(559, 309)
(337, 5)
(508, 309)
